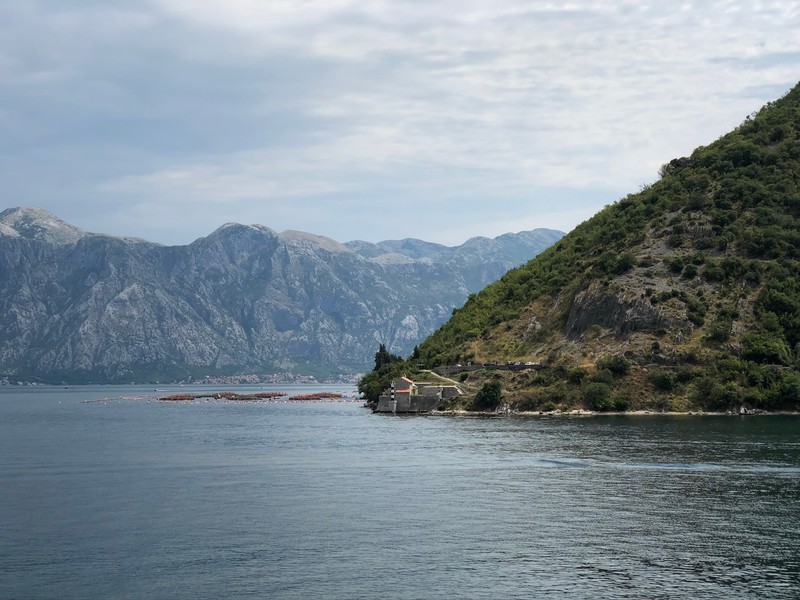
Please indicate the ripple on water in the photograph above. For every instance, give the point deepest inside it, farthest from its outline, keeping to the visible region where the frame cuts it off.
(142, 500)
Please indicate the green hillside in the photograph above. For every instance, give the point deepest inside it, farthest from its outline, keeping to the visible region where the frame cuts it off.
(683, 296)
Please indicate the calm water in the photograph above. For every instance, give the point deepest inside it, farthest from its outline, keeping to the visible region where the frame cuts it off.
(136, 499)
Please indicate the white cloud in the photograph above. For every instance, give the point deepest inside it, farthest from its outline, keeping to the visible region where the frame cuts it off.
(239, 106)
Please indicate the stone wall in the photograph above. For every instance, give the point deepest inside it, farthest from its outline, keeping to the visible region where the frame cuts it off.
(407, 404)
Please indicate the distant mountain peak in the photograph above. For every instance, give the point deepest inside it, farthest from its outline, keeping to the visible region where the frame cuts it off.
(323, 242)
(233, 228)
(514, 247)
(39, 224)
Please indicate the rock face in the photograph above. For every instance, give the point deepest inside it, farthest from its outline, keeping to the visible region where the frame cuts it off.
(78, 306)
(615, 311)
(622, 310)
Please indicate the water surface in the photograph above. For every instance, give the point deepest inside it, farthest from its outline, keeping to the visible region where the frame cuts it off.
(137, 499)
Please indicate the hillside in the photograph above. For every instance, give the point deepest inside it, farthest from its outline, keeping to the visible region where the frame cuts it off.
(683, 296)
(77, 306)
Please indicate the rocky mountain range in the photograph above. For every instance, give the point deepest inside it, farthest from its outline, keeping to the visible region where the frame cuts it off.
(80, 306)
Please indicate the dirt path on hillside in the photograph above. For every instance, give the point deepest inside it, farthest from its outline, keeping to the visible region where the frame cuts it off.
(453, 381)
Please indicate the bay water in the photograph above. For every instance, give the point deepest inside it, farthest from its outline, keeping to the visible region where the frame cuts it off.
(107, 493)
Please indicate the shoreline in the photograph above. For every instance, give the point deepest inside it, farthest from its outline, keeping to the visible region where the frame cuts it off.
(594, 413)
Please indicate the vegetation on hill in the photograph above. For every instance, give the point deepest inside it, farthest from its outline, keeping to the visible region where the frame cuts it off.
(683, 296)
(387, 367)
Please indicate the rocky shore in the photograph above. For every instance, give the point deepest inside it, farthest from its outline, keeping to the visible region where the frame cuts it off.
(743, 411)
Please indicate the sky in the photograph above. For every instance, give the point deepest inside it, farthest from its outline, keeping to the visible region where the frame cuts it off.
(387, 119)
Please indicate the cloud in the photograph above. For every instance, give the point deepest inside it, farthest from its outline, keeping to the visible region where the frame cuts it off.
(124, 115)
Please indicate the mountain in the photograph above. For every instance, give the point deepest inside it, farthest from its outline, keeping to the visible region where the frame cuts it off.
(479, 261)
(79, 306)
(683, 296)
(510, 247)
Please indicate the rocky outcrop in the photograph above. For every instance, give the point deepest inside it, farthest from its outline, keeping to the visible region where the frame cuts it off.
(622, 311)
(78, 306)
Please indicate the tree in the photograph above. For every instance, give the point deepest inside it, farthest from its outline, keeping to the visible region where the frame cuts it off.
(384, 359)
(387, 367)
(489, 396)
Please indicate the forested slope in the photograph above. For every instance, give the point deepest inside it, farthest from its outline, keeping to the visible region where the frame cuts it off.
(685, 295)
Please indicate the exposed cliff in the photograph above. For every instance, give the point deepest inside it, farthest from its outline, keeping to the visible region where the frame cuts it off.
(78, 306)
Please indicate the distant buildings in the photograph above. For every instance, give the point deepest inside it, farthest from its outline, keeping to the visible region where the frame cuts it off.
(406, 396)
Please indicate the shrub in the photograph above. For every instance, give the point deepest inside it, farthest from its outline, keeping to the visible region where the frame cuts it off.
(661, 402)
(488, 396)
(625, 263)
(696, 318)
(720, 331)
(596, 396)
(710, 393)
(704, 243)
(713, 273)
(689, 271)
(790, 389)
(676, 240)
(618, 365)
(603, 376)
(760, 348)
(662, 380)
(576, 375)
(686, 374)
(675, 264)
(529, 401)
(622, 402)
(559, 393)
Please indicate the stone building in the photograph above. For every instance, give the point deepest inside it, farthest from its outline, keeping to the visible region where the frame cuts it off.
(406, 396)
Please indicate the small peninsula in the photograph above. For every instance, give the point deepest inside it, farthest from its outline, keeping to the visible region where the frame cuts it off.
(682, 297)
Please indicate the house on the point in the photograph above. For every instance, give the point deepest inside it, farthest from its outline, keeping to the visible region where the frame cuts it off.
(407, 396)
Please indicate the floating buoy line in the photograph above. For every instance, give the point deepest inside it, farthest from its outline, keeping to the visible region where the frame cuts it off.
(235, 397)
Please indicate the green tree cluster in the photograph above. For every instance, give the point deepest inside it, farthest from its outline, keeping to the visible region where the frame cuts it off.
(488, 397)
(387, 367)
